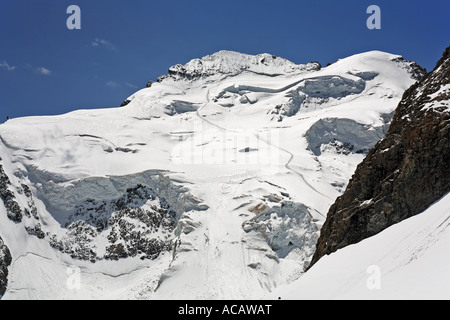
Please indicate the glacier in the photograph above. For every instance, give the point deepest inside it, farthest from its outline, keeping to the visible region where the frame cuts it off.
(211, 183)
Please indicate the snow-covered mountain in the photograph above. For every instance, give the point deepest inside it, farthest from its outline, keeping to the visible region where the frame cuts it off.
(388, 235)
(404, 173)
(212, 182)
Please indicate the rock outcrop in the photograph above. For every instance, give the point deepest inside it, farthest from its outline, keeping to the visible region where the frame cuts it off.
(13, 209)
(5, 261)
(404, 173)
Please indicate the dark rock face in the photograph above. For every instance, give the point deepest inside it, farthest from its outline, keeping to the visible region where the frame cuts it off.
(414, 69)
(5, 261)
(13, 209)
(78, 241)
(140, 223)
(36, 231)
(133, 227)
(31, 210)
(125, 103)
(403, 174)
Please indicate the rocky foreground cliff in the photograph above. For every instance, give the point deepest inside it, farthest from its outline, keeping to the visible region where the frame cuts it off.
(404, 173)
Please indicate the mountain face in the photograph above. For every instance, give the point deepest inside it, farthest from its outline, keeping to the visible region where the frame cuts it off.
(212, 182)
(404, 173)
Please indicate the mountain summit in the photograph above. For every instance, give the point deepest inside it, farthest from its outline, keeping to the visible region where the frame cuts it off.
(231, 63)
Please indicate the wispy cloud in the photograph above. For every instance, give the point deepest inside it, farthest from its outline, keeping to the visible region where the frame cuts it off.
(130, 85)
(7, 66)
(103, 43)
(112, 84)
(115, 84)
(40, 70)
(43, 71)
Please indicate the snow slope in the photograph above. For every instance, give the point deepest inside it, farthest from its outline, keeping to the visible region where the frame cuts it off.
(235, 158)
(405, 261)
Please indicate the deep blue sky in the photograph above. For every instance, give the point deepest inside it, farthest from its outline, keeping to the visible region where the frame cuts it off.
(47, 69)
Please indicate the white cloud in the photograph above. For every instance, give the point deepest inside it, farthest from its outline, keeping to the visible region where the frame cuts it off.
(103, 43)
(7, 66)
(43, 71)
(115, 84)
(112, 84)
(130, 85)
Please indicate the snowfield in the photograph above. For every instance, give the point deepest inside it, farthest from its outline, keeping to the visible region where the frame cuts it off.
(405, 261)
(213, 183)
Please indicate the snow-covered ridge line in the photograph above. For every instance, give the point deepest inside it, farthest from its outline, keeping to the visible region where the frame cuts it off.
(232, 63)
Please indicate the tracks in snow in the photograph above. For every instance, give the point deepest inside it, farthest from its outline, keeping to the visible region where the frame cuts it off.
(291, 155)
